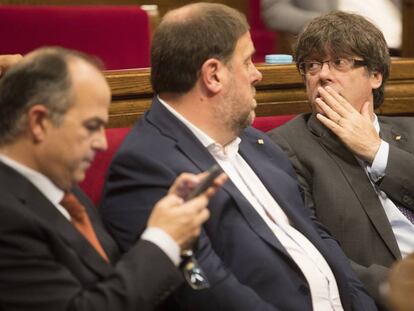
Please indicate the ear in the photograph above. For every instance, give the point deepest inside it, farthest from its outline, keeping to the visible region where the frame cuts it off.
(376, 80)
(212, 75)
(38, 122)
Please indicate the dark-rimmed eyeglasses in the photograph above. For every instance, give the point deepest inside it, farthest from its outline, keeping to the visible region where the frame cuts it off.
(339, 64)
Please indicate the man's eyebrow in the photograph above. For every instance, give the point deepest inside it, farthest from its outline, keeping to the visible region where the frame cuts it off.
(250, 55)
(97, 120)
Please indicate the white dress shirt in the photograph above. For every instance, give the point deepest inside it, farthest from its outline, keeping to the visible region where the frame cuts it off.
(322, 283)
(54, 195)
(403, 229)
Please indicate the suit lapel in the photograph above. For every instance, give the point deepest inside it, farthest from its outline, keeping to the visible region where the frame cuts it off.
(354, 174)
(393, 136)
(253, 219)
(37, 204)
(185, 140)
(275, 181)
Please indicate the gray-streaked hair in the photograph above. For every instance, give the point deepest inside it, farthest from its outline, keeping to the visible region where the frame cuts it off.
(40, 78)
(341, 34)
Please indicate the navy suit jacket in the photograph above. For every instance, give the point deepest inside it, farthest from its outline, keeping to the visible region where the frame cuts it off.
(247, 266)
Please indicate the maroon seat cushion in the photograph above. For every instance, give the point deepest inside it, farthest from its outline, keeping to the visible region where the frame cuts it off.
(118, 35)
(96, 174)
(267, 123)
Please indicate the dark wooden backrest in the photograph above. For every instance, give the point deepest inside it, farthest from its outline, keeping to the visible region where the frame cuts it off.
(281, 92)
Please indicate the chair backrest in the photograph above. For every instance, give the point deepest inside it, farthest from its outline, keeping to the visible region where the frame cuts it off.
(267, 123)
(118, 35)
(265, 41)
(96, 174)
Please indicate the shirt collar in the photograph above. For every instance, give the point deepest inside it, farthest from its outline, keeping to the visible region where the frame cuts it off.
(376, 123)
(40, 181)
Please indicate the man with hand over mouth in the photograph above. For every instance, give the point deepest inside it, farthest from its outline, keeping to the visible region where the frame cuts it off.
(356, 167)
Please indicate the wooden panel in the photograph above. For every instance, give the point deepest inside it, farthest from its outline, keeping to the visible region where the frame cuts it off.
(280, 92)
(407, 49)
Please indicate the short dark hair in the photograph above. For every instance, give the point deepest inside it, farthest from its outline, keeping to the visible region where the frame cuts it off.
(40, 78)
(341, 34)
(181, 46)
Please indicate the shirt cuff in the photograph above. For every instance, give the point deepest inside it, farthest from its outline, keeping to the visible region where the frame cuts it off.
(164, 241)
(377, 169)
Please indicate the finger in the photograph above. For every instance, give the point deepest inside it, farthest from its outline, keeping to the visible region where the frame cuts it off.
(220, 180)
(329, 113)
(184, 183)
(334, 127)
(197, 204)
(170, 200)
(202, 217)
(332, 102)
(217, 183)
(343, 103)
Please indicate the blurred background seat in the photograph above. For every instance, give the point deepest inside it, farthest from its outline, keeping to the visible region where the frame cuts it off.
(265, 41)
(118, 35)
(94, 180)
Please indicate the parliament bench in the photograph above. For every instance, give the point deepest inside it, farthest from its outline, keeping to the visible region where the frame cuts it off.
(281, 92)
(280, 96)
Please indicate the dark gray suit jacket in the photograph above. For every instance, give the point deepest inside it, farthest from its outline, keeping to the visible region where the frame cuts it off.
(340, 193)
(46, 264)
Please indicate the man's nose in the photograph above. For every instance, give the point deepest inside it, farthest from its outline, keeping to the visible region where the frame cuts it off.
(325, 69)
(257, 75)
(100, 142)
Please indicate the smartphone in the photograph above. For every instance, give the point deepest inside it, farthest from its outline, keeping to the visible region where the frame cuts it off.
(213, 172)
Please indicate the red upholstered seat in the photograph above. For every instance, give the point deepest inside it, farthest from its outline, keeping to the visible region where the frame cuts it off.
(267, 123)
(118, 35)
(95, 176)
(265, 41)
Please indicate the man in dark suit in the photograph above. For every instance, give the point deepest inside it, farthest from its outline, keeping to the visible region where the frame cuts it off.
(260, 250)
(356, 168)
(54, 254)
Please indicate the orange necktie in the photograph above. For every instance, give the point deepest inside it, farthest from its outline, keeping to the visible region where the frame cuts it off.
(81, 221)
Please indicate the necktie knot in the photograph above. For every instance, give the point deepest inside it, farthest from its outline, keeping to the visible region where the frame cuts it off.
(75, 209)
(81, 221)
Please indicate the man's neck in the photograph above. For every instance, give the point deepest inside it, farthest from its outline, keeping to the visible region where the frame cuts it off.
(198, 110)
(19, 152)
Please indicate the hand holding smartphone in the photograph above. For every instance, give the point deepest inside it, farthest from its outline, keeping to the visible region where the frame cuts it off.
(192, 271)
(212, 173)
